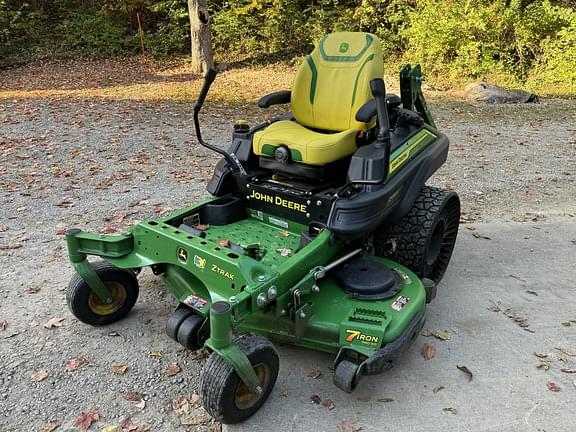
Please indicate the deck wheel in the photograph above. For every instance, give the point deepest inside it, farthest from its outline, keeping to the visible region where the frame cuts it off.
(346, 376)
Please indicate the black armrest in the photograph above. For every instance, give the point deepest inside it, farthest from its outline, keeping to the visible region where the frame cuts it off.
(368, 110)
(276, 98)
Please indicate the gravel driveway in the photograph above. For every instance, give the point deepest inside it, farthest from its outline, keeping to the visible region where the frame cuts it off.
(102, 165)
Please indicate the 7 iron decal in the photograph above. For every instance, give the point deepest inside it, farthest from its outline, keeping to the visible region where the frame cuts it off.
(361, 337)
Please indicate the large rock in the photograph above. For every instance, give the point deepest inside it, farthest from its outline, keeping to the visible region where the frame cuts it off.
(484, 92)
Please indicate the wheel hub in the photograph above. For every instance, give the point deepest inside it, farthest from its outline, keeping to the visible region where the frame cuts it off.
(110, 305)
(244, 398)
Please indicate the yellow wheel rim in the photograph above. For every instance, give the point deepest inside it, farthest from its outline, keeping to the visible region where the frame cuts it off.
(117, 294)
(243, 397)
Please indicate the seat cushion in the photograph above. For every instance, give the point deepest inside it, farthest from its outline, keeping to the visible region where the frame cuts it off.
(306, 146)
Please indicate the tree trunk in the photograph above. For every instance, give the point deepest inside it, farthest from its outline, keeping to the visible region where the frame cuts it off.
(200, 36)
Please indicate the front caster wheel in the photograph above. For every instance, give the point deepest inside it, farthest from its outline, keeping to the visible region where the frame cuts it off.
(224, 396)
(87, 306)
(346, 376)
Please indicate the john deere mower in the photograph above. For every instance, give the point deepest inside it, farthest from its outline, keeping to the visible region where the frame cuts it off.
(320, 232)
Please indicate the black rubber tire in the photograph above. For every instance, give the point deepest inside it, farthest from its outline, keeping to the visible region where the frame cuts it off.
(189, 332)
(175, 320)
(219, 382)
(345, 377)
(79, 295)
(423, 240)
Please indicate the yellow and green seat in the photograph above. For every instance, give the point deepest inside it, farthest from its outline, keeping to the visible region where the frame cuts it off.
(328, 90)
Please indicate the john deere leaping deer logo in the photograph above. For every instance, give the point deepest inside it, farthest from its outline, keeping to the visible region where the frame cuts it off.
(182, 255)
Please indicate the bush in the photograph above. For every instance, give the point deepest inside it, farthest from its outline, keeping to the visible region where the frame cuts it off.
(474, 39)
(20, 30)
(92, 33)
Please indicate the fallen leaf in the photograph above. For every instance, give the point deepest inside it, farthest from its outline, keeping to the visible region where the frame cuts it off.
(466, 371)
(283, 393)
(314, 373)
(553, 387)
(385, 400)
(155, 354)
(444, 335)
(428, 351)
(543, 364)
(133, 396)
(53, 322)
(85, 420)
(224, 243)
(114, 333)
(315, 399)
(348, 426)
(119, 369)
(540, 355)
(172, 369)
(32, 290)
(450, 410)
(11, 246)
(195, 421)
(50, 425)
(568, 370)
(494, 307)
(566, 352)
(141, 405)
(3, 325)
(112, 428)
(480, 236)
(284, 233)
(181, 405)
(531, 292)
(285, 252)
(426, 333)
(328, 404)
(128, 426)
(40, 375)
(73, 364)
(437, 389)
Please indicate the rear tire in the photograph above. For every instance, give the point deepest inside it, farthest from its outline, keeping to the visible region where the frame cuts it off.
(423, 240)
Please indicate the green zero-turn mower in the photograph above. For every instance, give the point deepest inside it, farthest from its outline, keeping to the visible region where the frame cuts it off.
(320, 233)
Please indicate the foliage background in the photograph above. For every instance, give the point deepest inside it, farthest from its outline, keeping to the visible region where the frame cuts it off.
(529, 42)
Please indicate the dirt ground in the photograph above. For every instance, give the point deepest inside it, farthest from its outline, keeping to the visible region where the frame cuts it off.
(103, 164)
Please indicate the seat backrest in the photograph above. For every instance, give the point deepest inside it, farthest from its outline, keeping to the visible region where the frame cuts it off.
(334, 81)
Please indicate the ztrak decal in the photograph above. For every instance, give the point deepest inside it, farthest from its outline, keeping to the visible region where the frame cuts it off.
(361, 337)
(182, 255)
(399, 303)
(195, 301)
(279, 201)
(199, 262)
(222, 272)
